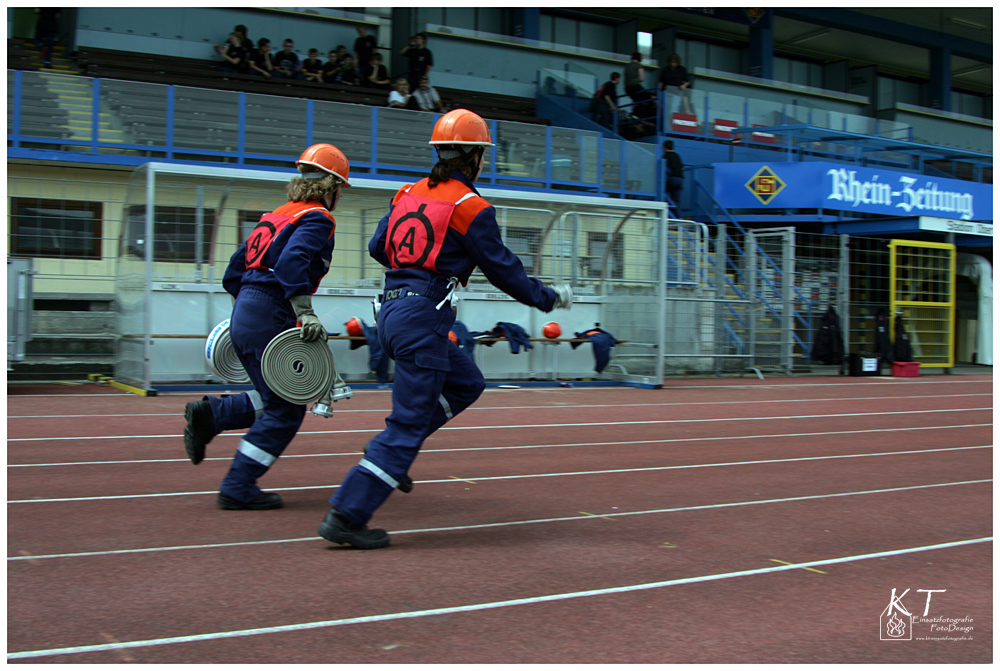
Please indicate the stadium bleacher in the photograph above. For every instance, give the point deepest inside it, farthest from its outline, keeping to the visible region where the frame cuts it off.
(193, 72)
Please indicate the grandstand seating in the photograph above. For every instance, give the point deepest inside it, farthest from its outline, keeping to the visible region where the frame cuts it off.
(41, 115)
(113, 64)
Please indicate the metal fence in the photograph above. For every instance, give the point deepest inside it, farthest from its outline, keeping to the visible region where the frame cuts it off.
(732, 300)
(130, 123)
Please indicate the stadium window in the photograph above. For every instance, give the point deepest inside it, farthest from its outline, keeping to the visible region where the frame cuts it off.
(597, 244)
(174, 231)
(65, 229)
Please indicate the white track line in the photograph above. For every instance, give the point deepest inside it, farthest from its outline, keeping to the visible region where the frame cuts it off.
(491, 525)
(570, 390)
(545, 426)
(488, 605)
(563, 407)
(537, 475)
(356, 452)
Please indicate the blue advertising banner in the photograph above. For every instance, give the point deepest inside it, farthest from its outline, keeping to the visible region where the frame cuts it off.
(835, 186)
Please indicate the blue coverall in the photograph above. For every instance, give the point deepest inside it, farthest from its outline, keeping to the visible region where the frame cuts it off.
(435, 380)
(292, 264)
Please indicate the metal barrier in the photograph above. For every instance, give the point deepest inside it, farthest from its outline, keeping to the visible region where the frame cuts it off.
(131, 123)
(19, 302)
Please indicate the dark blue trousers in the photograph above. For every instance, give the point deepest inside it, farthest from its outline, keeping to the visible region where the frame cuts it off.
(260, 313)
(434, 382)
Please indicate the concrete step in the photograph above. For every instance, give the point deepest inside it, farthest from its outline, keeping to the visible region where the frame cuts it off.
(63, 322)
(60, 368)
(71, 345)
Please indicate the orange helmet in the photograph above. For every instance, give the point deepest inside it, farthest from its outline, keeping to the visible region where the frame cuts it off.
(354, 327)
(551, 330)
(327, 158)
(461, 127)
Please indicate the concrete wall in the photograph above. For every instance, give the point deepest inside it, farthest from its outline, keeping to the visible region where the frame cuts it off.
(190, 32)
(935, 127)
(736, 85)
(466, 62)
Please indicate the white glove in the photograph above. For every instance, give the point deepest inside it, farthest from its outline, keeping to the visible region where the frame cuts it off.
(564, 296)
(312, 327)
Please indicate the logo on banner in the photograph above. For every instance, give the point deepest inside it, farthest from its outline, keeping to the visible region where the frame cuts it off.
(765, 185)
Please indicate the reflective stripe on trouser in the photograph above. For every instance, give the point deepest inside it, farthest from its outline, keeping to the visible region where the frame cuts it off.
(257, 317)
(435, 381)
(238, 411)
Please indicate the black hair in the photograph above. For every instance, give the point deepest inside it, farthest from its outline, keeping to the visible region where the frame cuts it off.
(636, 56)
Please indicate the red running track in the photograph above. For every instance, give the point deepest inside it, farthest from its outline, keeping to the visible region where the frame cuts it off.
(713, 521)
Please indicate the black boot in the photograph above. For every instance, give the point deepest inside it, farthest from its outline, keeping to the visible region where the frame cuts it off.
(338, 529)
(200, 429)
(264, 501)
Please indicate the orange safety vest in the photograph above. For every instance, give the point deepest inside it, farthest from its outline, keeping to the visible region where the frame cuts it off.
(421, 217)
(273, 223)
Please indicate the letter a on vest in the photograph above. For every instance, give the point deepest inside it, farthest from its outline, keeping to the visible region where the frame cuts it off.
(417, 227)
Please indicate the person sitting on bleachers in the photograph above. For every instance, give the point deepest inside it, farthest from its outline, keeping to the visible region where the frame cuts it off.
(311, 68)
(374, 75)
(286, 61)
(245, 40)
(427, 97)
(233, 53)
(400, 98)
(260, 61)
(331, 69)
(348, 74)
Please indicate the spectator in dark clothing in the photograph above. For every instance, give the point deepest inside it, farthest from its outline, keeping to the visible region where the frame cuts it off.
(341, 53)
(233, 54)
(331, 69)
(605, 101)
(47, 32)
(420, 57)
(347, 73)
(635, 76)
(635, 88)
(364, 46)
(260, 61)
(286, 61)
(675, 172)
(675, 76)
(245, 40)
(312, 67)
(374, 74)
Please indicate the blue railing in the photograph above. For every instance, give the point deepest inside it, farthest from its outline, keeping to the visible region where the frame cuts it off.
(130, 123)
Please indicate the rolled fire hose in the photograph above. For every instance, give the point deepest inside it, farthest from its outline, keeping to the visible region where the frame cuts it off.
(221, 356)
(301, 372)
